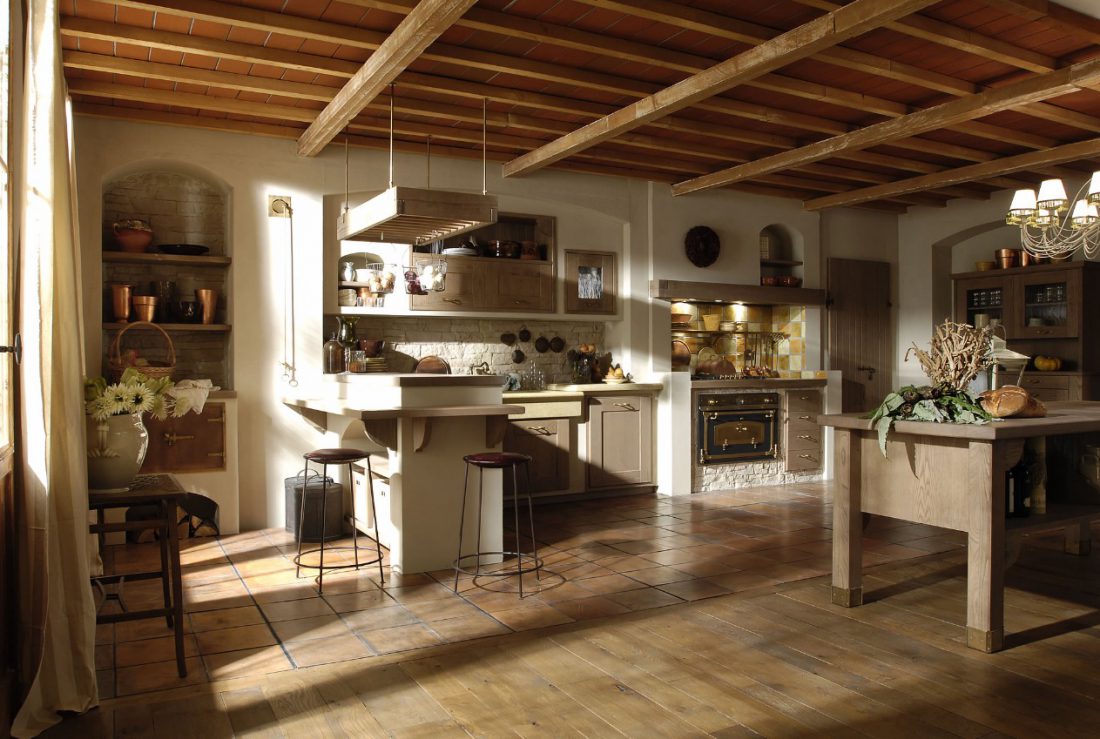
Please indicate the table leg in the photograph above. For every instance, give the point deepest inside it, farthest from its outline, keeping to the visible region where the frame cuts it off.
(177, 585)
(847, 521)
(1079, 539)
(165, 568)
(986, 543)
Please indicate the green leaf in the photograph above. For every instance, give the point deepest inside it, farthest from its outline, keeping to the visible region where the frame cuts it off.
(883, 428)
(893, 401)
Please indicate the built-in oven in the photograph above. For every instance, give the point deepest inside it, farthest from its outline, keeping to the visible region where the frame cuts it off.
(737, 427)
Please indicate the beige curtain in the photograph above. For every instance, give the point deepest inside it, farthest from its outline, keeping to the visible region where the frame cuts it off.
(58, 614)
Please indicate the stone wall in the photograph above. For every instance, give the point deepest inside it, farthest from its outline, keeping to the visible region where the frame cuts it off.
(181, 209)
(466, 342)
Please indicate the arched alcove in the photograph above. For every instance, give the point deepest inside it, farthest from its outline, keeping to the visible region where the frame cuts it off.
(782, 252)
(942, 263)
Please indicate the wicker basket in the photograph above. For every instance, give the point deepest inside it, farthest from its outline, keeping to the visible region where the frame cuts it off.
(156, 369)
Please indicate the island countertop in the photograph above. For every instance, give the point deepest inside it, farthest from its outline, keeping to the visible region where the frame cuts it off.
(1065, 417)
(758, 383)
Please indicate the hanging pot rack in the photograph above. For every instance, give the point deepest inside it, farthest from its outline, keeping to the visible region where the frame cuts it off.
(418, 216)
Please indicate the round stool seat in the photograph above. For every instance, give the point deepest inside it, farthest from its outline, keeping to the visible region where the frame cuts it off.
(496, 460)
(335, 456)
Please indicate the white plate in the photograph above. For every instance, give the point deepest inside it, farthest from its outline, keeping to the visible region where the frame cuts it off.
(615, 380)
(460, 251)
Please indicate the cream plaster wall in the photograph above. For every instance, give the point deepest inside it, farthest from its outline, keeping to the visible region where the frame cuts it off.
(639, 220)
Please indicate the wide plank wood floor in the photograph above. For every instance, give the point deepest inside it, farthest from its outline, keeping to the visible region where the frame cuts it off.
(777, 661)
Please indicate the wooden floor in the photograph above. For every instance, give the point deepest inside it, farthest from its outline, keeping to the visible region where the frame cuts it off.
(777, 661)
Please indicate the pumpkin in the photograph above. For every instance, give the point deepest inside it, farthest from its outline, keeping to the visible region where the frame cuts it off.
(1047, 364)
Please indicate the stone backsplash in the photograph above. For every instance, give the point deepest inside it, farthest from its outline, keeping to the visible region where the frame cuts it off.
(466, 342)
(199, 354)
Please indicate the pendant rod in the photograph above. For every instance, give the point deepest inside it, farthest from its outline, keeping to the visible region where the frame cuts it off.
(484, 135)
(429, 161)
(391, 134)
(347, 195)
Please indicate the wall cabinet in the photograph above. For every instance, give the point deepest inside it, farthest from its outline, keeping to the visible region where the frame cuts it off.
(1044, 310)
(620, 440)
(490, 284)
(547, 442)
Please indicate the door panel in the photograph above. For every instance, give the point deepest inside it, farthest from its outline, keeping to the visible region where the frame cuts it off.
(860, 330)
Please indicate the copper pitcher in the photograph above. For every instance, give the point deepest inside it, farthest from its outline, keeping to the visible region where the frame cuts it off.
(208, 303)
(120, 302)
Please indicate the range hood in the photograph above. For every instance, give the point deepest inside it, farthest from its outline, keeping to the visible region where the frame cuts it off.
(721, 292)
(408, 215)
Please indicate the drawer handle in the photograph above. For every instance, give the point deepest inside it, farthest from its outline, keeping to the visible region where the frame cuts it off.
(804, 397)
(541, 430)
(805, 418)
(453, 301)
(170, 439)
(219, 419)
(215, 454)
(1044, 331)
(810, 457)
(807, 437)
(626, 406)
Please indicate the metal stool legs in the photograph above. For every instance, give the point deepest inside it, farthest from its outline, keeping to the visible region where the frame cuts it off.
(534, 563)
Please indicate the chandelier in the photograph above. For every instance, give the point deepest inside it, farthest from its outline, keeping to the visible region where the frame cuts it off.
(1049, 227)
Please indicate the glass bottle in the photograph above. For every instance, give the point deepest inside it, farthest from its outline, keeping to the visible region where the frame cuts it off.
(333, 357)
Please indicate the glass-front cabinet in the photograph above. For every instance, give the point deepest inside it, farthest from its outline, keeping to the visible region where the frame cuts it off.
(981, 301)
(1046, 304)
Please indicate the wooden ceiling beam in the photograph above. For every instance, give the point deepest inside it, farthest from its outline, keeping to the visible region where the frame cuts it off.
(335, 33)
(419, 29)
(1018, 163)
(1030, 90)
(799, 43)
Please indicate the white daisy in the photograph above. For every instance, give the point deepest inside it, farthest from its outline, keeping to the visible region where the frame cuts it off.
(117, 399)
(141, 398)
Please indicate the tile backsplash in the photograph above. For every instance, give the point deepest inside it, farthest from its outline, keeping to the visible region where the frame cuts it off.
(467, 342)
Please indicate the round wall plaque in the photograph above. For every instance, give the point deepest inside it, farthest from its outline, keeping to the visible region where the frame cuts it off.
(701, 246)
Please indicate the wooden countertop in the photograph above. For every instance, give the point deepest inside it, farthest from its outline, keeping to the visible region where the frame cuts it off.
(757, 383)
(357, 409)
(395, 379)
(1070, 417)
(601, 387)
(544, 396)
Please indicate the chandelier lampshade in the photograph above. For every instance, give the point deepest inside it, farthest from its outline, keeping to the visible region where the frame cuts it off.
(1050, 227)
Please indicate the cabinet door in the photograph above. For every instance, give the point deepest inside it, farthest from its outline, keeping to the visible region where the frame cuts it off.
(547, 442)
(465, 287)
(520, 286)
(194, 442)
(620, 439)
(1047, 304)
(985, 295)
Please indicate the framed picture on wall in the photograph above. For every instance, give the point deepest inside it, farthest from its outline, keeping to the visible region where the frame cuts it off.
(590, 285)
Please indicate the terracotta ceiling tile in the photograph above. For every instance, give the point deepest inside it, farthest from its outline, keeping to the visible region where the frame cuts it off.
(134, 17)
(344, 13)
(130, 51)
(199, 61)
(164, 56)
(248, 36)
(94, 9)
(321, 48)
(95, 46)
(173, 23)
(294, 75)
(303, 8)
(233, 66)
(191, 88)
(210, 30)
(157, 84)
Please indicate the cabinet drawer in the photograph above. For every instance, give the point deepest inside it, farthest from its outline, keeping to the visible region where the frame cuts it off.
(804, 438)
(547, 441)
(801, 401)
(1048, 395)
(194, 442)
(1050, 382)
(803, 460)
(465, 288)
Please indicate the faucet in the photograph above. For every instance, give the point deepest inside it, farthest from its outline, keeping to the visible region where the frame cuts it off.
(479, 369)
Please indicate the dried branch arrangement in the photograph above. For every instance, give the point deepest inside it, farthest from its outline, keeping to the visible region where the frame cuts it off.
(957, 353)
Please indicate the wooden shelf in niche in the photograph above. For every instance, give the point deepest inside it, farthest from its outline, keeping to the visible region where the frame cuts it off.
(167, 259)
(780, 263)
(208, 327)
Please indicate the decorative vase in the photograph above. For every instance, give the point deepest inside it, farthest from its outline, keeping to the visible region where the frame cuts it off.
(347, 271)
(116, 449)
(346, 334)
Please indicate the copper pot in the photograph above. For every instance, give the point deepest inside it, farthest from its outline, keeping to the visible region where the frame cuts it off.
(208, 304)
(145, 307)
(120, 302)
(1008, 258)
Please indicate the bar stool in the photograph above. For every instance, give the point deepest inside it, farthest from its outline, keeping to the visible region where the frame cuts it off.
(498, 461)
(325, 457)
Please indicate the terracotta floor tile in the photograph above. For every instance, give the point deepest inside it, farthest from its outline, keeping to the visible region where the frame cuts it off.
(157, 676)
(324, 651)
(238, 637)
(639, 600)
(474, 626)
(738, 581)
(531, 615)
(610, 584)
(247, 663)
(595, 607)
(419, 593)
(146, 628)
(707, 567)
(624, 563)
(437, 610)
(562, 591)
(379, 618)
(225, 618)
(301, 608)
(694, 589)
(315, 627)
(400, 638)
(160, 649)
(303, 588)
(659, 575)
(364, 600)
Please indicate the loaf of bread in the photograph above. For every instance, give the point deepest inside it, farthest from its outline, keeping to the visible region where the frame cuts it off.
(1012, 401)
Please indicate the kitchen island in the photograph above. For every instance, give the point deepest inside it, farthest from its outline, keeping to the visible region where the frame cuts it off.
(419, 428)
(951, 476)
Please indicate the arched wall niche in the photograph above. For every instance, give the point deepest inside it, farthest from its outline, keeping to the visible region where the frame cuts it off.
(183, 203)
(942, 255)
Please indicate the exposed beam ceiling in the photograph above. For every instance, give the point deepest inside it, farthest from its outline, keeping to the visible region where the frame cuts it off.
(550, 69)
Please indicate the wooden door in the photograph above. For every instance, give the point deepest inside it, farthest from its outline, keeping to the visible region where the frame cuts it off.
(860, 331)
(620, 438)
(194, 442)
